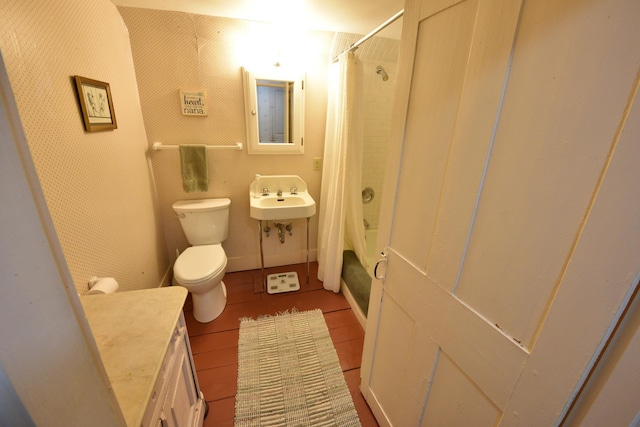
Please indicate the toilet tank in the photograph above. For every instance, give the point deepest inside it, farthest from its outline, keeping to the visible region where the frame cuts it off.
(204, 221)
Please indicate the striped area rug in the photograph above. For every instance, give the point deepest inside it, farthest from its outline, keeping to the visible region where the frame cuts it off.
(289, 374)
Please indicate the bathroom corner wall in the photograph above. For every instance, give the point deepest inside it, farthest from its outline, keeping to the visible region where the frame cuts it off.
(377, 103)
(175, 50)
(97, 186)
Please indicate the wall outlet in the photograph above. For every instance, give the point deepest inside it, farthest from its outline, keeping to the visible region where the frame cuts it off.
(317, 163)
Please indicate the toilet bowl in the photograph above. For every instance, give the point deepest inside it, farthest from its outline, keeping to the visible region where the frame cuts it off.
(201, 267)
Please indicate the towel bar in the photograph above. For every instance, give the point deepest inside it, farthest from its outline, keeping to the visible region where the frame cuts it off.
(159, 146)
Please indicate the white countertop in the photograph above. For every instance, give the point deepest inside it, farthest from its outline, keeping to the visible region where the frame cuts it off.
(133, 330)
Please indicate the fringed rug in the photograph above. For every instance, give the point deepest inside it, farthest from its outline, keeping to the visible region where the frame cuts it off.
(289, 374)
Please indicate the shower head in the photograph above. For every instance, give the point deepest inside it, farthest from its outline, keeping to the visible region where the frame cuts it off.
(382, 72)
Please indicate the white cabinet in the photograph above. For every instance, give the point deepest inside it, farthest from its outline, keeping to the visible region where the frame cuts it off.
(176, 400)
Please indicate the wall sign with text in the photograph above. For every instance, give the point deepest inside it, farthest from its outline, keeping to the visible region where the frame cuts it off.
(193, 102)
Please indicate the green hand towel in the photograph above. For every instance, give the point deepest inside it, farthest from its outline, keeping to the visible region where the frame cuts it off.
(193, 161)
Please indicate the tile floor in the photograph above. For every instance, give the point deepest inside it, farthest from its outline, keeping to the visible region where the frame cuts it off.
(215, 344)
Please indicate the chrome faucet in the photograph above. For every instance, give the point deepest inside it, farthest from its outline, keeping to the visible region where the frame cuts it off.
(265, 191)
(279, 192)
(294, 190)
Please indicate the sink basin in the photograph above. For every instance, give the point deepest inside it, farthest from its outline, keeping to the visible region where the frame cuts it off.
(289, 205)
(284, 207)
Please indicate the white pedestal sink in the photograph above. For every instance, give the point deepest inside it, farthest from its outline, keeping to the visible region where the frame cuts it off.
(279, 198)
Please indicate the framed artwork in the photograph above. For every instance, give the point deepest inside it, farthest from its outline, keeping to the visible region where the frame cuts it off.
(96, 104)
(193, 102)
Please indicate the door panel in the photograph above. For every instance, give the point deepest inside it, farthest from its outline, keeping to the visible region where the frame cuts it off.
(394, 334)
(545, 169)
(455, 400)
(398, 386)
(598, 281)
(477, 345)
(472, 138)
(431, 121)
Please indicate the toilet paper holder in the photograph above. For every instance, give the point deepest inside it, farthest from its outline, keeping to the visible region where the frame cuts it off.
(102, 285)
(92, 282)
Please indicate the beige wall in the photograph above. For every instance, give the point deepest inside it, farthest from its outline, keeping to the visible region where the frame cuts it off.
(97, 186)
(49, 362)
(173, 51)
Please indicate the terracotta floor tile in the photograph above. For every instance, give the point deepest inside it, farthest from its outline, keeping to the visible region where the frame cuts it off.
(239, 277)
(218, 383)
(229, 319)
(214, 341)
(188, 304)
(242, 296)
(346, 333)
(216, 358)
(340, 318)
(364, 413)
(350, 353)
(221, 413)
(215, 344)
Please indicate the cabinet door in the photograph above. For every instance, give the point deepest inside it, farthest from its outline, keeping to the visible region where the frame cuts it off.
(180, 408)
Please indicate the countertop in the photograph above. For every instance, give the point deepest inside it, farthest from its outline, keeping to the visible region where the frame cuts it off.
(133, 330)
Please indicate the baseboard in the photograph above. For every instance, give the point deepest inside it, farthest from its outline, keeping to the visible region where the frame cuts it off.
(252, 262)
(167, 278)
(362, 319)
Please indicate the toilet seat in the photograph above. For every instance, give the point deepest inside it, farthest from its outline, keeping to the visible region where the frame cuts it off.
(199, 263)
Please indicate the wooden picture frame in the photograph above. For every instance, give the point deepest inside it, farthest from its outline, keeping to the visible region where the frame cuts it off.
(96, 104)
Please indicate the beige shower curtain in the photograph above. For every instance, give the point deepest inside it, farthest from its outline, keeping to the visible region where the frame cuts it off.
(340, 217)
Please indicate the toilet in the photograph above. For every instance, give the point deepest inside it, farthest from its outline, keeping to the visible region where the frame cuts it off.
(201, 267)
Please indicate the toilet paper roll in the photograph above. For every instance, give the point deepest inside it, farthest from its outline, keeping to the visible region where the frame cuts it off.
(105, 285)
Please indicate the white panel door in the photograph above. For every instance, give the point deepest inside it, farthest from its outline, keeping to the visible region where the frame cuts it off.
(510, 224)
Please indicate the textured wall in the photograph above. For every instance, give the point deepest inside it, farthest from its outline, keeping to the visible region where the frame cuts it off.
(97, 185)
(174, 50)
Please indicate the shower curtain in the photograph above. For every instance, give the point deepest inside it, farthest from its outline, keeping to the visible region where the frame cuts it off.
(340, 218)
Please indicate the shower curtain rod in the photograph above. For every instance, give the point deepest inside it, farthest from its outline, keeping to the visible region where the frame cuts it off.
(381, 27)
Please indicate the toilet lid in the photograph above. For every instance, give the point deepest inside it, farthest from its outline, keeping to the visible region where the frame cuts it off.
(199, 263)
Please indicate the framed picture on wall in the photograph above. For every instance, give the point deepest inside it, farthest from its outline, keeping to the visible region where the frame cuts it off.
(193, 102)
(96, 104)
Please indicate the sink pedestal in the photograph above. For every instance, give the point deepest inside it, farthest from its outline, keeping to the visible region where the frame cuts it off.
(263, 278)
(279, 198)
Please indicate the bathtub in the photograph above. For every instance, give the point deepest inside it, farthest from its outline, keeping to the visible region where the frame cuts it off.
(370, 237)
(350, 271)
